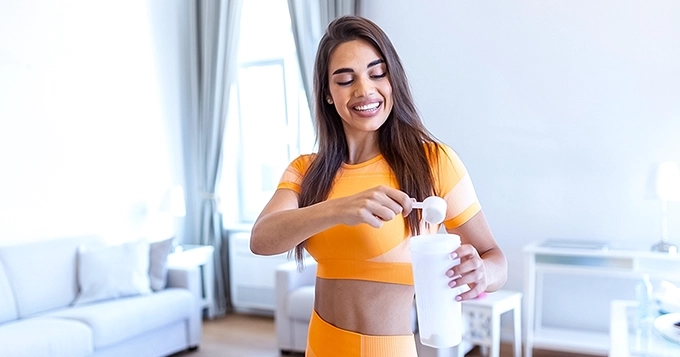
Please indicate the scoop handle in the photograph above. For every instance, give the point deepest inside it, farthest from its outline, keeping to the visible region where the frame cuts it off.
(417, 205)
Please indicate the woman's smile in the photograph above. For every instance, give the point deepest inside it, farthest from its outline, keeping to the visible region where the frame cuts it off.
(368, 109)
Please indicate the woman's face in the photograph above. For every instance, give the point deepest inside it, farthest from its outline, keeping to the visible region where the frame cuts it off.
(360, 87)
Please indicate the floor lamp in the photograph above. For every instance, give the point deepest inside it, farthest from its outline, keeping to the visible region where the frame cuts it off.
(667, 189)
(173, 205)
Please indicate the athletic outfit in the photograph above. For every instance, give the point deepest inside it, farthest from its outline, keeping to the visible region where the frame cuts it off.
(362, 252)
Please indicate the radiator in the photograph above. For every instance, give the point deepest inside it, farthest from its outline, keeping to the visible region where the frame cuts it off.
(252, 277)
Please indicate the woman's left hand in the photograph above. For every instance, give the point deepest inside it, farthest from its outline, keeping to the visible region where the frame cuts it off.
(470, 271)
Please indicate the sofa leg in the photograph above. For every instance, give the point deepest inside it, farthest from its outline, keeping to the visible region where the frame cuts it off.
(291, 353)
(192, 348)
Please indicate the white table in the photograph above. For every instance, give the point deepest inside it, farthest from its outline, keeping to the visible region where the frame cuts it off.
(627, 341)
(483, 319)
(556, 275)
(200, 256)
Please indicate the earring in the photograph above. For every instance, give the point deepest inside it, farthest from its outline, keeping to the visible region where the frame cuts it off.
(329, 100)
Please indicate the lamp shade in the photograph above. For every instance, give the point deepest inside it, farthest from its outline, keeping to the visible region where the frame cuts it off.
(668, 181)
(173, 202)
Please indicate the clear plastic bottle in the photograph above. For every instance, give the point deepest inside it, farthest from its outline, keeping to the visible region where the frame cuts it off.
(645, 314)
(643, 294)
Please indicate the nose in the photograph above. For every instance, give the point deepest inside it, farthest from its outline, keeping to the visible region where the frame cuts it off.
(363, 87)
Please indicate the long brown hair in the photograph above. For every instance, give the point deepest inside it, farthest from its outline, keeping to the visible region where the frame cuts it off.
(401, 137)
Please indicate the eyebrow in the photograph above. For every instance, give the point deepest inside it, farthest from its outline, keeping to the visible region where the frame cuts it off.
(371, 64)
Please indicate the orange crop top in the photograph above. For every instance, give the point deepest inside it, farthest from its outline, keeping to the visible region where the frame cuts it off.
(362, 252)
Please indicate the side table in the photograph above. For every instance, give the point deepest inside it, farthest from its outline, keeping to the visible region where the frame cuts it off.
(483, 317)
(200, 256)
(625, 340)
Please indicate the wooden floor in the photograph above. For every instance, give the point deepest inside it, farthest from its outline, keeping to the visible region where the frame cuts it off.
(238, 335)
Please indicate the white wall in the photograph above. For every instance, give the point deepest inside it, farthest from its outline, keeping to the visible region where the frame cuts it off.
(558, 108)
(85, 128)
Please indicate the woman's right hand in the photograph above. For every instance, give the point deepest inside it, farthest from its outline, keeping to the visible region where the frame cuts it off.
(373, 206)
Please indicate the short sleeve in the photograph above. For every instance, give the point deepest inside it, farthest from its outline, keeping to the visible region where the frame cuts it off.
(453, 183)
(295, 172)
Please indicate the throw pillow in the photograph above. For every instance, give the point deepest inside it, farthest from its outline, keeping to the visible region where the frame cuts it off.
(113, 272)
(158, 263)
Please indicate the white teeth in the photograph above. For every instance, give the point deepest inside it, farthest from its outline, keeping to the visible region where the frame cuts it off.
(367, 106)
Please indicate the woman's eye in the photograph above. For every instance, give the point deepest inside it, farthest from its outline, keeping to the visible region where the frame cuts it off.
(344, 80)
(381, 75)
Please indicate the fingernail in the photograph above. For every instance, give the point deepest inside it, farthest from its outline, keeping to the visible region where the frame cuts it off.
(452, 283)
(458, 298)
(449, 273)
(453, 255)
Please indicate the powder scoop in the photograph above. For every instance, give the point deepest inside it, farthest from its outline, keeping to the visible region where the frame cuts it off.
(434, 209)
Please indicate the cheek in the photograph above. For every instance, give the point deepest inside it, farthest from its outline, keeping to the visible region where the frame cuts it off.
(388, 98)
(387, 92)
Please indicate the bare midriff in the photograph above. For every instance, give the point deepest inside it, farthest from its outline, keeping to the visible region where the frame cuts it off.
(365, 307)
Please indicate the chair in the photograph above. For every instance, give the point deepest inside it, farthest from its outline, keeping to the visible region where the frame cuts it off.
(294, 305)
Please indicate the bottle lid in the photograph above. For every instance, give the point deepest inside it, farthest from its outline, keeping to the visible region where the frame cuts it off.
(434, 243)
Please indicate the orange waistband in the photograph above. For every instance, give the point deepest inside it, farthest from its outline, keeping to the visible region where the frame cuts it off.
(326, 340)
(396, 273)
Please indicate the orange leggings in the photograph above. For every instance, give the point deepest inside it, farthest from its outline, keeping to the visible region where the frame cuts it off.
(326, 340)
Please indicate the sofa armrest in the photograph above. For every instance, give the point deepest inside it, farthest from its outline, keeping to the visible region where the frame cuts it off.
(189, 277)
(289, 278)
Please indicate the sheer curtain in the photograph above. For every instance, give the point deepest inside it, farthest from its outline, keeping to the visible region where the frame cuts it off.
(309, 19)
(213, 36)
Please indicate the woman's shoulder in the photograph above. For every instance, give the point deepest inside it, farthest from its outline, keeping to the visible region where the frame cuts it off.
(444, 158)
(302, 162)
(306, 158)
(437, 150)
(295, 172)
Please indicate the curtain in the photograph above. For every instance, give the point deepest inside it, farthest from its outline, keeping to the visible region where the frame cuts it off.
(213, 36)
(309, 19)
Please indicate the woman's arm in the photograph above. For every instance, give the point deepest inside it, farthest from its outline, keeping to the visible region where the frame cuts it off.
(283, 224)
(482, 263)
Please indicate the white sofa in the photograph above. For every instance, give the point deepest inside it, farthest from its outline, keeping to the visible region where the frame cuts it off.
(43, 311)
(294, 305)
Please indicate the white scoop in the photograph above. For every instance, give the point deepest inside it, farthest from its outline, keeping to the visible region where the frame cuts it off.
(434, 209)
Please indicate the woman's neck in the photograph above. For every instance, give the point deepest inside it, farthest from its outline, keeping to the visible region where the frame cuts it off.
(362, 149)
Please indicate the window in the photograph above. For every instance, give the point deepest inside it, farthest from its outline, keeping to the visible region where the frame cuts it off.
(269, 123)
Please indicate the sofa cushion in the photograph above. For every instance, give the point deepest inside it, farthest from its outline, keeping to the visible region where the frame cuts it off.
(301, 303)
(112, 272)
(118, 320)
(42, 275)
(158, 263)
(8, 306)
(45, 336)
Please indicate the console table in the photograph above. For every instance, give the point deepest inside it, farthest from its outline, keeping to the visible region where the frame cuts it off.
(579, 280)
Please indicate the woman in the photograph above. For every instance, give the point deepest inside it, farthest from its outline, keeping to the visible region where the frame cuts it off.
(350, 204)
